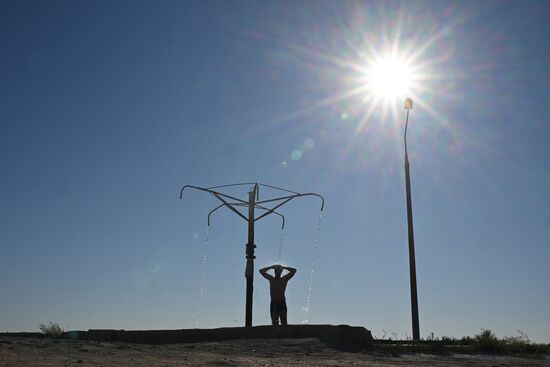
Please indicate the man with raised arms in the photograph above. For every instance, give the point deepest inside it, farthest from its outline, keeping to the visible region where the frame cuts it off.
(277, 287)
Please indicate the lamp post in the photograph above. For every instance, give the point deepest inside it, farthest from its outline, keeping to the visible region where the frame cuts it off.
(412, 261)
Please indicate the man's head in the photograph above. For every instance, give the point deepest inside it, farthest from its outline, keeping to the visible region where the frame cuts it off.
(278, 270)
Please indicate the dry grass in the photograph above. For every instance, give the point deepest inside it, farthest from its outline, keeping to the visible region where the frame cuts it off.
(51, 329)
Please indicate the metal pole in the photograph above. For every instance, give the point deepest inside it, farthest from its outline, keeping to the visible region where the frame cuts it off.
(249, 272)
(412, 261)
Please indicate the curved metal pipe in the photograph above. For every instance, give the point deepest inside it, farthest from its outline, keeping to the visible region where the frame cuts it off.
(215, 193)
(212, 211)
(191, 187)
(272, 211)
(284, 220)
(319, 196)
(295, 196)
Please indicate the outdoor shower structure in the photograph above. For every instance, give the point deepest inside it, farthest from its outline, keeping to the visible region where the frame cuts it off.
(252, 204)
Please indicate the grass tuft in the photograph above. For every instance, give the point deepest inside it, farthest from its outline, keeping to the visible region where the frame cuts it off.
(487, 341)
(51, 329)
(484, 342)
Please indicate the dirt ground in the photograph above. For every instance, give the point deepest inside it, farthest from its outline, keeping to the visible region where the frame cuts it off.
(31, 352)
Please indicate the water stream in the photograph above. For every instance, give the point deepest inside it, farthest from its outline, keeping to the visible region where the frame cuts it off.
(203, 277)
(305, 309)
(281, 246)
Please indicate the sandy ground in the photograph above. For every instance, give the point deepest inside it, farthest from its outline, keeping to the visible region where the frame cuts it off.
(19, 352)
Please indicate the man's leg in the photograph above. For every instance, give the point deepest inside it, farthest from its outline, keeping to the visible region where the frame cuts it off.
(274, 314)
(283, 317)
(274, 318)
(282, 313)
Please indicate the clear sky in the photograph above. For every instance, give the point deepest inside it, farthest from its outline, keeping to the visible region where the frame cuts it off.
(108, 107)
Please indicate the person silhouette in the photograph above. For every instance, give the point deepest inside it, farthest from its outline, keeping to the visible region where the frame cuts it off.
(277, 287)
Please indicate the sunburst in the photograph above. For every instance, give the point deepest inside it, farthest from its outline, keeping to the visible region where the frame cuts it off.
(388, 77)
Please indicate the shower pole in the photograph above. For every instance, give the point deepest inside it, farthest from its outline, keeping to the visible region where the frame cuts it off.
(249, 272)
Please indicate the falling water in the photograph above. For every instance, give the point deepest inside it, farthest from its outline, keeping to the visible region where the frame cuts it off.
(281, 245)
(203, 276)
(305, 309)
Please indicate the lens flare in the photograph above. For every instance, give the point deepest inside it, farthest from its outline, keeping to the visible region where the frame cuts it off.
(389, 77)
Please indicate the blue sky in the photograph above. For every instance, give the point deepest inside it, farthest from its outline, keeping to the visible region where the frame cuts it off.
(108, 107)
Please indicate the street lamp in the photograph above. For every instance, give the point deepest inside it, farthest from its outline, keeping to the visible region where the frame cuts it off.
(412, 261)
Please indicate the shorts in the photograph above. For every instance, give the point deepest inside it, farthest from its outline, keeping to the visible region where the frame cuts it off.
(278, 306)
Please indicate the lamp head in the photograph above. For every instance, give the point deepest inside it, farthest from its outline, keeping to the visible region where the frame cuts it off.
(408, 103)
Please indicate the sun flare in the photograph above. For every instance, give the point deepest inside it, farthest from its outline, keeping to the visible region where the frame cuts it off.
(366, 73)
(388, 78)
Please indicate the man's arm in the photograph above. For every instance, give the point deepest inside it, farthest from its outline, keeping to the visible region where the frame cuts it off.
(265, 274)
(290, 274)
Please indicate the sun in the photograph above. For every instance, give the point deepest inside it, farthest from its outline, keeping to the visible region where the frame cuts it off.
(367, 73)
(388, 78)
